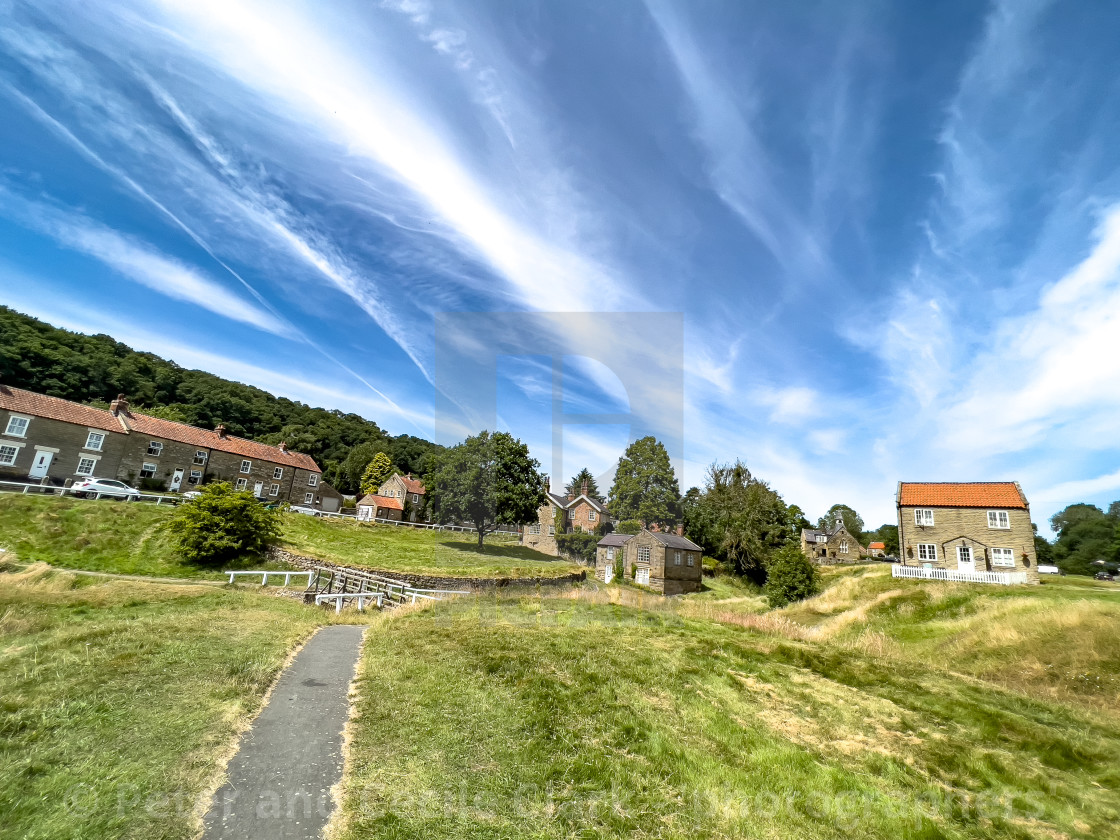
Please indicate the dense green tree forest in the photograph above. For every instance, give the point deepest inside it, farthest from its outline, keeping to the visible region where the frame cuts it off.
(93, 369)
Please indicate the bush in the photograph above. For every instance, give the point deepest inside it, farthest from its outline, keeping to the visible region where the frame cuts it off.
(578, 545)
(629, 526)
(790, 577)
(223, 524)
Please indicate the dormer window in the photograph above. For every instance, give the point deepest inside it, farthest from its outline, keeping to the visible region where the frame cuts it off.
(923, 517)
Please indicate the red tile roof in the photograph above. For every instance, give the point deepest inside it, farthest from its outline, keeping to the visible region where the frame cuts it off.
(994, 494)
(54, 408)
(876, 545)
(381, 501)
(157, 427)
(413, 485)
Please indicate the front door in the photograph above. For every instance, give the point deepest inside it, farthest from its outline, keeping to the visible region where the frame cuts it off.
(176, 479)
(965, 562)
(608, 574)
(258, 488)
(643, 577)
(41, 465)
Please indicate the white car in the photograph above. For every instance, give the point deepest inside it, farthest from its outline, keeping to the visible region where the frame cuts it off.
(1049, 570)
(90, 488)
(191, 495)
(306, 511)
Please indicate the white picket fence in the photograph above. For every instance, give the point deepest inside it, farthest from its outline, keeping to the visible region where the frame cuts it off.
(921, 573)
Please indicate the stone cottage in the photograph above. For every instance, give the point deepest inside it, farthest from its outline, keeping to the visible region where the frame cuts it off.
(609, 550)
(666, 563)
(831, 545)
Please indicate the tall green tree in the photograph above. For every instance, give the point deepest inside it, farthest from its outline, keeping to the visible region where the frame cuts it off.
(1086, 536)
(645, 486)
(377, 472)
(487, 480)
(853, 522)
(575, 486)
(737, 518)
(887, 534)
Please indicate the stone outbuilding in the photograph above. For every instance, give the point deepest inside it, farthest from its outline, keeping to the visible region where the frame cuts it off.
(373, 507)
(608, 552)
(666, 563)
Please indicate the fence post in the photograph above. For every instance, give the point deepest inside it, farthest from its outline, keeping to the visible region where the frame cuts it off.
(231, 577)
(264, 578)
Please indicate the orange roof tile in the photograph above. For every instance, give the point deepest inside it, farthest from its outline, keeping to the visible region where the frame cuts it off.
(995, 494)
(381, 501)
(413, 485)
(876, 545)
(54, 408)
(207, 438)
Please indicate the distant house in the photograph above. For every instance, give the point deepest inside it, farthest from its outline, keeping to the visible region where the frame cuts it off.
(831, 545)
(412, 494)
(667, 563)
(608, 552)
(966, 526)
(570, 513)
(877, 549)
(375, 506)
(55, 441)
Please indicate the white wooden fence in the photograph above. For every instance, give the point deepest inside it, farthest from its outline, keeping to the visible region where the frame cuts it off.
(264, 576)
(921, 573)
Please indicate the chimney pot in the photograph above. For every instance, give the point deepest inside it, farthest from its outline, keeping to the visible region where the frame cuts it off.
(283, 446)
(221, 430)
(118, 405)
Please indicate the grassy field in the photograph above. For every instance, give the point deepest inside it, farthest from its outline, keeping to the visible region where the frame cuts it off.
(119, 701)
(577, 716)
(418, 551)
(99, 535)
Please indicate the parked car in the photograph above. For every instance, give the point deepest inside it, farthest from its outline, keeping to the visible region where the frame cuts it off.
(90, 488)
(306, 511)
(1050, 570)
(1103, 576)
(190, 495)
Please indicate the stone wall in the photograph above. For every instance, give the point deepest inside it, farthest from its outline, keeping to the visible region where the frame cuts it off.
(428, 581)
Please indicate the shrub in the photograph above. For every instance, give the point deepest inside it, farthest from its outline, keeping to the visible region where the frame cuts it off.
(790, 577)
(578, 545)
(223, 524)
(629, 526)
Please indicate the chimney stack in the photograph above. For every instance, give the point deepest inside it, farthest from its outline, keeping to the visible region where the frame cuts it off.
(680, 530)
(221, 430)
(584, 488)
(118, 405)
(283, 447)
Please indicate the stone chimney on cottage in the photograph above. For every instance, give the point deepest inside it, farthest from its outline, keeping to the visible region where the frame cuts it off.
(120, 404)
(680, 530)
(583, 489)
(283, 447)
(221, 430)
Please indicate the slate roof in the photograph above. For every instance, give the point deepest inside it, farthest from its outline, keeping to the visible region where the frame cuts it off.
(157, 427)
(615, 539)
(673, 541)
(982, 494)
(53, 408)
(381, 501)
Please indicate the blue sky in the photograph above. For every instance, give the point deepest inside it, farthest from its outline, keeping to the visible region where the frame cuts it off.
(892, 231)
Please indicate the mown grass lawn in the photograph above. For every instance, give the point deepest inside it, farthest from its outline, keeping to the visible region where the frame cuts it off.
(564, 718)
(417, 551)
(119, 700)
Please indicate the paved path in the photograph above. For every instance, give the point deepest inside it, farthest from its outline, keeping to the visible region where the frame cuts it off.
(280, 780)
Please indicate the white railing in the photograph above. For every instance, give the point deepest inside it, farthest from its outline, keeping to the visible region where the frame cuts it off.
(921, 573)
(264, 576)
(431, 526)
(362, 598)
(50, 490)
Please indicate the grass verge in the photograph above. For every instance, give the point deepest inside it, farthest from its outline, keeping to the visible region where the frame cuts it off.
(119, 700)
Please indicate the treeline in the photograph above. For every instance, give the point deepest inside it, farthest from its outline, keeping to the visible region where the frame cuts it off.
(1088, 539)
(93, 369)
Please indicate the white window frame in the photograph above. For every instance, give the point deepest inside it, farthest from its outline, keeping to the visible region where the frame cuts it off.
(923, 517)
(313, 480)
(144, 468)
(195, 477)
(13, 420)
(246, 466)
(591, 516)
(100, 435)
(241, 484)
(927, 552)
(961, 551)
(274, 490)
(200, 457)
(676, 558)
(416, 498)
(535, 528)
(15, 447)
(157, 446)
(843, 546)
(610, 552)
(84, 459)
(999, 520)
(643, 554)
(691, 559)
(1003, 557)
(552, 530)
(821, 538)
(277, 473)
(309, 499)
(641, 576)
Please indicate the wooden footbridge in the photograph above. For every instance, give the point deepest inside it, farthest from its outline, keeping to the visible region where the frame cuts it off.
(340, 585)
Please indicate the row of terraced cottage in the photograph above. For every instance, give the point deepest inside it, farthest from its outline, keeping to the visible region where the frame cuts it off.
(52, 441)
